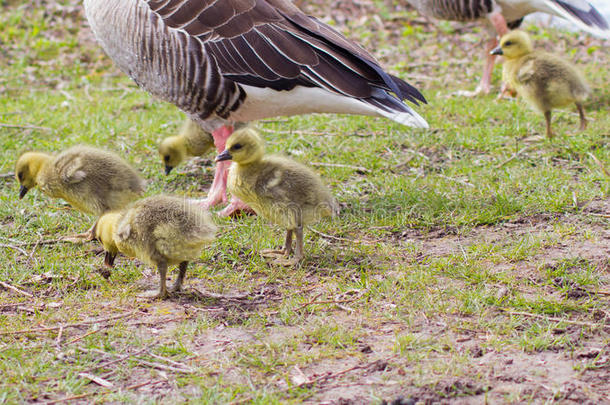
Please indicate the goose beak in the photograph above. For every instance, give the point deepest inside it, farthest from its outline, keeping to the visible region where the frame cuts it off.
(168, 169)
(109, 259)
(23, 190)
(224, 156)
(497, 51)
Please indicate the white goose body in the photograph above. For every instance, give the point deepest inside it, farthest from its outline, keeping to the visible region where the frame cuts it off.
(233, 61)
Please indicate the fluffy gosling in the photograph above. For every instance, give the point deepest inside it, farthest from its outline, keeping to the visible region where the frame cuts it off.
(191, 141)
(277, 188)
(544, 80)
(91, 180)
(162, 231)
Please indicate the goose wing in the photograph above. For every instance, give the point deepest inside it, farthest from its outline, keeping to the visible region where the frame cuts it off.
(579, 12)
(271, 43)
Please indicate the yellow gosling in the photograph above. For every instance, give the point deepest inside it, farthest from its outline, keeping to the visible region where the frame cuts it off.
(191, 141)
(91, 180)
(279, 189)
(162, 231)
(544, 80)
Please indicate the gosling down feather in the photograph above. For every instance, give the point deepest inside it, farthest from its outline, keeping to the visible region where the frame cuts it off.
(225, 62)
(91, 180)
(277, 188)
(191, 141)
(544, 80)
(162, 231)
(504, 14)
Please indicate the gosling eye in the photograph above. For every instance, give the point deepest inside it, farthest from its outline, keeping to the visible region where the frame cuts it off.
(166, 158)
(237, 146)
(508, 43)
(20, 176)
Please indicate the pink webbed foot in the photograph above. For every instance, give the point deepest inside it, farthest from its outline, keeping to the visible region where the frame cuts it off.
(235, 208)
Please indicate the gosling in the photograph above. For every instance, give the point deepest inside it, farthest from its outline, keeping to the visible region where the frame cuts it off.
(91, 180)
(191, 141)
(277, 188)
(544, 80)
(162, 231)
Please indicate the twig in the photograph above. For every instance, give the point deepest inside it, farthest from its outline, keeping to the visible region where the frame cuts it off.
(89, 394)
(513, 157)
(98, 380)
(15, 289)
(159, 366)
(27, 126)
(319, 379)
(553, 319)
(599, 164)
(59, 335)
(84, 336)
(17, 248)
(359, 169)
(175, 363)
(44, 242)
(70, 325)
(456, 180)
(361, 241)
(117, 360)
(326, 302)
(8, 175)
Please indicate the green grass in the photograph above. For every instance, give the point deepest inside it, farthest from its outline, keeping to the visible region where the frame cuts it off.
(448, 245)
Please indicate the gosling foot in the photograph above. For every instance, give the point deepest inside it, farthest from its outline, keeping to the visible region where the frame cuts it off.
(274, 253)
(287, 261)
(154, 294)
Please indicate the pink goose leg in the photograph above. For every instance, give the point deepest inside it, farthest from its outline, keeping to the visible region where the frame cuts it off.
(218, 190)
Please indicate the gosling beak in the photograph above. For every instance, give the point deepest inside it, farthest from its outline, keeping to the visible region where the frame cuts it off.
(109, 259)
(497, 51)
(224, 156)
(23, 190)
(168, 169)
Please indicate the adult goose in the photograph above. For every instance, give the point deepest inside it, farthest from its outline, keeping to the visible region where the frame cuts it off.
(500, 15)
(229, 61)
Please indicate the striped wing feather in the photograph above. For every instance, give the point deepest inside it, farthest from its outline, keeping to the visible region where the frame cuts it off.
(271, 43)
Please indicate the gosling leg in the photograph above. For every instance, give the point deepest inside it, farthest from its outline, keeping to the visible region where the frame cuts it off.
(549, 131)
(288, 242)
(581, 113)
(298, 254)
(162, 293)
(181, 272)
(285, 251)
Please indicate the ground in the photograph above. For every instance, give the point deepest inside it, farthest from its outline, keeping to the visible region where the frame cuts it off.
(469, 263)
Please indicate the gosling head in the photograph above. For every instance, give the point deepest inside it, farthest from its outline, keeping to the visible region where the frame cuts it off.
(243, 147)
(27, 168)
(104, 232)
(514, 45)
(172, 151)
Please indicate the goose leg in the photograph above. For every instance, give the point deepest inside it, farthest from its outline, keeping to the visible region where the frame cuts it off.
(581, 113)
(218, 191)
(181, 272)
(162, 293)
(549, 131)
(484, 86)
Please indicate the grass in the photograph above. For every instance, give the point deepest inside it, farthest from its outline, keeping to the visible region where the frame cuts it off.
(472, 242)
